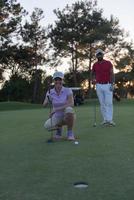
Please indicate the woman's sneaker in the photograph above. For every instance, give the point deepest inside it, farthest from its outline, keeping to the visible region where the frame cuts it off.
(58, 134)
(57, 137)
(70, 136)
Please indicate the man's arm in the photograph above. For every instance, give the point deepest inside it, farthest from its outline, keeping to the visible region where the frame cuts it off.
(112, 76)
(112, 79)
(70, 100)
(93, 76)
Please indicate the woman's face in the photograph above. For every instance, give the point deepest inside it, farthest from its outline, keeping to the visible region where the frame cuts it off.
(58, 82)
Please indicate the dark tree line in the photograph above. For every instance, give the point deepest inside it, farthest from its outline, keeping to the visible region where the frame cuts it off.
(79, 29)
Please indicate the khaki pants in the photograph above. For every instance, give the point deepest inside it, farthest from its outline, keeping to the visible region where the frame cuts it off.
(54, 121)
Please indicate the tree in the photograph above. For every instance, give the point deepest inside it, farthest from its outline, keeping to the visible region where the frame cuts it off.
(34, 37)
(1, 75)
(41, 77)
(10, 18)
(16, 89)
(79, 30)
(124, 62)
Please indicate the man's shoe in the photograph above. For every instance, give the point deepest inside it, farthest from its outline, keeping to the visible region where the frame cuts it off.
(103, 123)
(111, 123)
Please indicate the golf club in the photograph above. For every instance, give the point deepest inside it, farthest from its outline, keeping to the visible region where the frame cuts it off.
(50, 110)
(94, 110)
(94, 124)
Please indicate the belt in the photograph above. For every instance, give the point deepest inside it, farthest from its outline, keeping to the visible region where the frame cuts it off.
(103, 82)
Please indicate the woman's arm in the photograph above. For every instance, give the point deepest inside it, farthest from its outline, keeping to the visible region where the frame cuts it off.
(45, 101)
(70, 102)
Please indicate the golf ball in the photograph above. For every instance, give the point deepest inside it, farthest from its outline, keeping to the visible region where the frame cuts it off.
(76, 142)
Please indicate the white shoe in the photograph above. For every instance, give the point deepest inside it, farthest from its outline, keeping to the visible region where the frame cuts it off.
(111, 123)
(70, 137)
(103, 123)
(57, 137)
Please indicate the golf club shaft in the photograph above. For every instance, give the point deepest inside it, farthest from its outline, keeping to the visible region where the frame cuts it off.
(51, 127)
(94, 109)
(50, 110)
(95, 112)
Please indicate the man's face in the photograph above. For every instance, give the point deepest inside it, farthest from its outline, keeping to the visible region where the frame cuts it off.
(99, 56)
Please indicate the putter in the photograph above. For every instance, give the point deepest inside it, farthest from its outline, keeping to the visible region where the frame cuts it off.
(50, 110)
(94, 111)
(51, 138)
(94, 124)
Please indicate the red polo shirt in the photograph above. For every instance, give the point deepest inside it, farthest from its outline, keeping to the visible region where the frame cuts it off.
(102, 70)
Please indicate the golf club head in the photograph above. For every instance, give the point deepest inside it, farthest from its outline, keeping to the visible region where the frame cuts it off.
(50, 140)
(94, 125)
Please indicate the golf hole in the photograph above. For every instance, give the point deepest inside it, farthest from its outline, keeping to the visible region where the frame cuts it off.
(80, 185)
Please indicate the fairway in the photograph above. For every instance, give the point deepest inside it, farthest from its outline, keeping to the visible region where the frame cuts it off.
(32, 169)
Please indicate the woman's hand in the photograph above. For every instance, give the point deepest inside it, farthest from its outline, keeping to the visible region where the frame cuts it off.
(51, 114)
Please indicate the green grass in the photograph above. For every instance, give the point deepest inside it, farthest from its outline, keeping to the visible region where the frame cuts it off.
(17, 106)
(31, 169)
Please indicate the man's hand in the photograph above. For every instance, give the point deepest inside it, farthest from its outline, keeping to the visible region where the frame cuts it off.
(111, 88)
(93, 81)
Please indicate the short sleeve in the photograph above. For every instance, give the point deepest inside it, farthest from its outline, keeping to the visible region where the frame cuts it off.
(69, 91)
(47, 93)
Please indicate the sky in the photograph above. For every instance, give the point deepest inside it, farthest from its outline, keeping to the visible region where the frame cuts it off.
(122, 9)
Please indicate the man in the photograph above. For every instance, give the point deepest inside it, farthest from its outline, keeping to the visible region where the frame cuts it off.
(103, 76)
(62, 108)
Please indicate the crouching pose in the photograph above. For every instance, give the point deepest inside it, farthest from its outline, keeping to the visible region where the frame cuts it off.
(62, 112)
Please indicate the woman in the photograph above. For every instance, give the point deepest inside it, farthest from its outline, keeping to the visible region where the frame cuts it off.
(62, 112)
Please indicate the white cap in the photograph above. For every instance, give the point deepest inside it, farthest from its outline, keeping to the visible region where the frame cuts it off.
(99, 51)
(58, 75)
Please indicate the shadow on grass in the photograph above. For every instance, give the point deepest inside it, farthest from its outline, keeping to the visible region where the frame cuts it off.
(12, 105)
